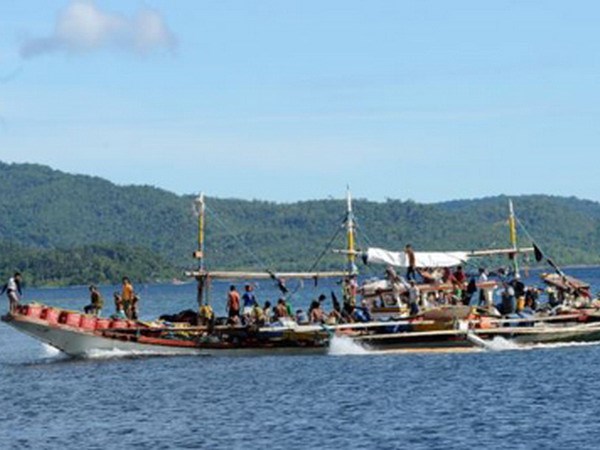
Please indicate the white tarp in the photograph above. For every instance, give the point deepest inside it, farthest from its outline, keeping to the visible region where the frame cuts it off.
(422, 259)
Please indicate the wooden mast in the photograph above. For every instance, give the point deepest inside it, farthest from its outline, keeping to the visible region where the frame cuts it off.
(512, 223)
(199, 253)
(350, 235)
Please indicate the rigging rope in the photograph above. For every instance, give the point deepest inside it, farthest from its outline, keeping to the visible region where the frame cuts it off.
(252, 255)
(319, 258)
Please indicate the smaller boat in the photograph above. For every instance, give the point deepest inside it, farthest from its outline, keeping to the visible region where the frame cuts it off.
(78, 334)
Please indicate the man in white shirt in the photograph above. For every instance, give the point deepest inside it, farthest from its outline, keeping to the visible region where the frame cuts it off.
(13, 291)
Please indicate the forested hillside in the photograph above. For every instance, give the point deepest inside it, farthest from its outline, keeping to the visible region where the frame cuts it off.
(66, 228)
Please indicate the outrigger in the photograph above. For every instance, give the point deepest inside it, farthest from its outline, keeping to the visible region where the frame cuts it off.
(441, 327)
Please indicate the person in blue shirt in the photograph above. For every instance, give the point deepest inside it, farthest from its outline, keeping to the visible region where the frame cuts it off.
(249, 299)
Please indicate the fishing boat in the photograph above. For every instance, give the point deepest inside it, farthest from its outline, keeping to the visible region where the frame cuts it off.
(391, 328)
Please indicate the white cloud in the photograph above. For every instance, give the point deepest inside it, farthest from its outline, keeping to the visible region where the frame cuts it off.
(83, 27)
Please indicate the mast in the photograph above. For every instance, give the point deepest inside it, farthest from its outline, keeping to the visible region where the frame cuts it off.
(512, 223)
(350, 235)
(201, 216)
(199, 253)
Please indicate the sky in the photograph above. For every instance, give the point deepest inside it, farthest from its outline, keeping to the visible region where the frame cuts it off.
(285, 100)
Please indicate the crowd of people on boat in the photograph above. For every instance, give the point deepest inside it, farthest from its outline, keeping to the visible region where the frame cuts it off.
(436, 287)
(245, 309)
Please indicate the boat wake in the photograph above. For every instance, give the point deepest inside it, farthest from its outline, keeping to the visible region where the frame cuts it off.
(98, 354)
(562, 345)
(499, 344)
(343, 345)
(51, 352)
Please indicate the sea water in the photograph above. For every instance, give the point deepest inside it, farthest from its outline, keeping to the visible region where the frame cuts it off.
(542, 396)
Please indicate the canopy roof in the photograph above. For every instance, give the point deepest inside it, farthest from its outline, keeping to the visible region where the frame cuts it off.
(422, 259)
(433, 259)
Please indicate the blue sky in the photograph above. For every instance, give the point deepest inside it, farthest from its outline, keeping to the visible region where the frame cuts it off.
(285, 100)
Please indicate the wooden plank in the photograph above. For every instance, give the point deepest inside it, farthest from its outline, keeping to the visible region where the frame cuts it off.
(224, 275)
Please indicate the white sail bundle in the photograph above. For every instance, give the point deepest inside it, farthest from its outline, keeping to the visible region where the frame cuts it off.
(422, 259)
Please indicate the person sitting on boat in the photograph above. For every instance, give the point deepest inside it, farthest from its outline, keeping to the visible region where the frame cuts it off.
(431, 300)
(127, 294)
(316, 313)
(206, 315)
(233, 302)
(257, 316)
(362, 313)
(249, 299)
(280, 311)
(119, 310)
(460, 277)
(581, 298)
(268, 311)
(301, 317)
(531, 297)
(429, 276)
(288, 307)
(509, 301)
(13, 291)
(447, 276)
(96, 302)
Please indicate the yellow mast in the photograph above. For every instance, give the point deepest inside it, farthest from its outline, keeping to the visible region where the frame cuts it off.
(350, 235)
(512, 223)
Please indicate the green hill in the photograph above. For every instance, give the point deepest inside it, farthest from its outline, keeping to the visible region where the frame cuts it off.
(66, 228)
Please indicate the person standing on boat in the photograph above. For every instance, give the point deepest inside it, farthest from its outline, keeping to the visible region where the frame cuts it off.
(483, 297)
(411, 270)
(249, 299)
(396, 283)
(127, 294)
(13, 291)
(413, 296)
(233, 302)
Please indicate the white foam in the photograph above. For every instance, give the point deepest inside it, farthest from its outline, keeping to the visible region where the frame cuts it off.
(502, 344)
(117, 353)
(499, 344)
(50, 352)
(563, 345)
(343, 345)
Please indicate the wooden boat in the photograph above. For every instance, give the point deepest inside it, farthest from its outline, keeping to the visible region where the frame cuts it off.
(79, 334)
(446, 327)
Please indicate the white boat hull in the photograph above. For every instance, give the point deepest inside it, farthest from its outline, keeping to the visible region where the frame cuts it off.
(83, 344)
